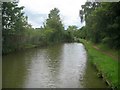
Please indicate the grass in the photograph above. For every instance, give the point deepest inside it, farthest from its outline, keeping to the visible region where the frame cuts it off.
(106, 65)
(108, 50)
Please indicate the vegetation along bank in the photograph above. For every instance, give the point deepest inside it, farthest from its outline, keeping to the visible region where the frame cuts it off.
(102, 27)
(106, 66)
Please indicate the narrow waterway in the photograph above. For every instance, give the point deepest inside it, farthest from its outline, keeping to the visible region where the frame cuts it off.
(58, 66)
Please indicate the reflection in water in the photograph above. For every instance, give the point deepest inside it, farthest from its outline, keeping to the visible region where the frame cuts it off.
(59, 66)
(90, 75)
(14, 69)
(53, 62)
(72, 67)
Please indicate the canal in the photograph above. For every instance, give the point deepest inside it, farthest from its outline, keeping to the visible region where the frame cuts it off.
(58, 66)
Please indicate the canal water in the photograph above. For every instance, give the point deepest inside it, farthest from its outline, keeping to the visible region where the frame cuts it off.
(57, 66)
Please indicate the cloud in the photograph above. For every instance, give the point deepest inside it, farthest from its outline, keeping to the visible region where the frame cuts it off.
(37, 10)
(35, 19)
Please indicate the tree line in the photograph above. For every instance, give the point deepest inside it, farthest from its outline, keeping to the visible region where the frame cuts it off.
(18, 34)
(102, 26)
(102, 23)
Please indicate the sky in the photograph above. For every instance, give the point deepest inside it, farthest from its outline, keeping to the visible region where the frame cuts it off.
(38, 10)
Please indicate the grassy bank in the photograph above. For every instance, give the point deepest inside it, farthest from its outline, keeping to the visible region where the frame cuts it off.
(107, 66)
(110, 52)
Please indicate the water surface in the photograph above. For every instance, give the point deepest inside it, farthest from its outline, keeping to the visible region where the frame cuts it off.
(58, 66)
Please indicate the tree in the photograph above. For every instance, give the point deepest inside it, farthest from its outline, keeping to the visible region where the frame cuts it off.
(13, 26)
(103, 22)
(54, 23)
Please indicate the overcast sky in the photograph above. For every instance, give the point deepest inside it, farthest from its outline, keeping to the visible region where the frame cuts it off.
(37, 11)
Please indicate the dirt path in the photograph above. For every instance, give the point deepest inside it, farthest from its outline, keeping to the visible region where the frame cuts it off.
(107, 53)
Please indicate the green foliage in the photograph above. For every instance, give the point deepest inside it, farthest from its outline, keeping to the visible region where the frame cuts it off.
(105, 64)
(103, 23)
(54, 24)
(18, 34)
(13, 26)
(68, 36)
(71, 34)
(81, 33)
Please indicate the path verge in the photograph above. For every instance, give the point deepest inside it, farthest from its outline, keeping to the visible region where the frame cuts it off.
(107, 67)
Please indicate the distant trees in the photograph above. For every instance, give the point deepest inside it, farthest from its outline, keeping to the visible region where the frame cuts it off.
(18, 34)
(102, 26)
(70, 33)
(54, 26)
(102, 22)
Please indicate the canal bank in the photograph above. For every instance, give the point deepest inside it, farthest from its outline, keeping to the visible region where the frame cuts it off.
(106, 66)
